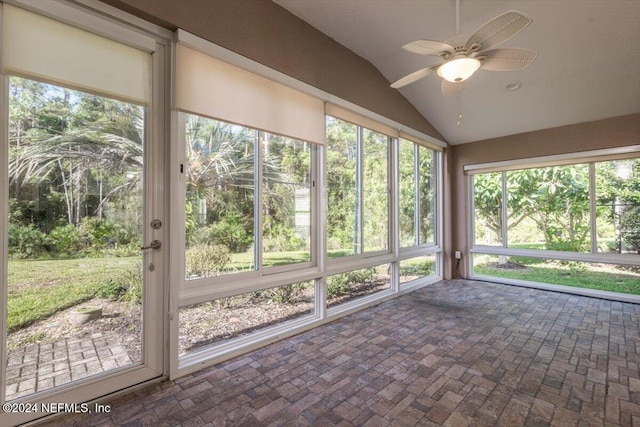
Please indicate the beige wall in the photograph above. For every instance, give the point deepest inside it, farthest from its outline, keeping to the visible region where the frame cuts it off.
(608, 133)
(267, 33)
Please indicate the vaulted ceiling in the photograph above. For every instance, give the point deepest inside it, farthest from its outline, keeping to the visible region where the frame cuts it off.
(588, 64)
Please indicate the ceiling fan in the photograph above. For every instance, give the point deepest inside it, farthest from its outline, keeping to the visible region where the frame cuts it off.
(463, 58)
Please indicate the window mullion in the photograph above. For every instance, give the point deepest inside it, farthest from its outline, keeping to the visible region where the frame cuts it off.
(504, 212)
(258, 203)
(359, 246)
(393, 232)
(416, 195)
(592, 208)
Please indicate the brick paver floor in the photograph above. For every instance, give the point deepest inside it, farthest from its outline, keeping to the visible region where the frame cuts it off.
(454, 353)
(38, 367)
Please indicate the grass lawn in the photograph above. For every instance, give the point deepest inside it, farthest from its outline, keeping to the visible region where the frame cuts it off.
(604, 278)
(40, 288)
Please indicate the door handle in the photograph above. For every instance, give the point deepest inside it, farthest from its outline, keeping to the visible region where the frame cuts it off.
(155, 244)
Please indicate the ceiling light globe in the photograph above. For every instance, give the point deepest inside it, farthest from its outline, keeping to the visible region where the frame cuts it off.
(458, 70)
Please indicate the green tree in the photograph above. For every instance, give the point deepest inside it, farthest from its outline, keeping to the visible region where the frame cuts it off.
(72, 156)
(556, 199)
(342, 186)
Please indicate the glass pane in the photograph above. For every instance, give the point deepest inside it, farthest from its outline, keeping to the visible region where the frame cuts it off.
(406, 166)
(351, 285)
(343, 207)
(605, 277)
(223, 319)
(548, 208)
(427, 182)
(219, 174)
(415, 268)
(375, 215)
(75, 231)
(487, 208)
(618, 206)
(287, 200)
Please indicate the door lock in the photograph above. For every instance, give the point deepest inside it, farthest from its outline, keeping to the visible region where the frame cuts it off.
(156, 224)
(155, 244)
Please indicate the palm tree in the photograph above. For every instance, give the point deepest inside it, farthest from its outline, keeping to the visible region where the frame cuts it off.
(113, 145)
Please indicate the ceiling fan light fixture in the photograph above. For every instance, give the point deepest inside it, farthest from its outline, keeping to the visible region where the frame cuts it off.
(458, 70)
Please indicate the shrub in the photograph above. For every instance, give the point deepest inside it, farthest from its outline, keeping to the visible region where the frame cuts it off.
(65, 239)
(424, 268)
(630, 224)
(569, 245)
(283, 239)
(204, 260)
(231, 231)
(26, 241)
(286, 294)
(339, 284)
(126, 286)
(96, 233)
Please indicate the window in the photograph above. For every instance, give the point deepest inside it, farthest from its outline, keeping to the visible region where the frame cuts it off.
(418, 267)
(253, 222)
(375, 191)
(343, 189)
(576, 274)
(220, 198)
(585, 213)
(487, 209)
(548, 208)
(287, 198)
(358, 189)
(350, 285)
(618, 206)
(232, 317)
(221, 210)
(417, 200)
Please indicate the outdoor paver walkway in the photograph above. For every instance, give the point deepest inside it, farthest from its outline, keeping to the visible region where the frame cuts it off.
(38, 367)
(454, 353)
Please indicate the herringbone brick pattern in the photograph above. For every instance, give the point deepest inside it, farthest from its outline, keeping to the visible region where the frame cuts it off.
(456, 353)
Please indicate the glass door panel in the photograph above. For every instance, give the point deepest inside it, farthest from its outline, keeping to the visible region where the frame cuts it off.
(75, 227)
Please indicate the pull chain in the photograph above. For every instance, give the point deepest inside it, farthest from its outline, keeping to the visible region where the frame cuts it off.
(459, 108)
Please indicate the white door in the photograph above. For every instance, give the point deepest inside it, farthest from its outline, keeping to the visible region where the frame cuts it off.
(83, 299)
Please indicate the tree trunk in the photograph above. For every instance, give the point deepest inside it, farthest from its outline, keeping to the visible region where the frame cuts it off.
(67, 197)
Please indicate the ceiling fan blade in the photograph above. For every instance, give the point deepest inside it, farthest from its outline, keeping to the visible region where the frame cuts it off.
(427, 47)
(498, 30)
(415, 76)
(449, 89)
(510, 59)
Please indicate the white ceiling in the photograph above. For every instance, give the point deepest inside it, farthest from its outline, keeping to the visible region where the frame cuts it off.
(588, 64)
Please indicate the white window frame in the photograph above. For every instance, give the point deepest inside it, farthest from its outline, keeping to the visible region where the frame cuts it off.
(430, 247)
(230, 285)
(589, 158)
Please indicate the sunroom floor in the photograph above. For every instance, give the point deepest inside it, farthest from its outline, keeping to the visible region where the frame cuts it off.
(457, 352)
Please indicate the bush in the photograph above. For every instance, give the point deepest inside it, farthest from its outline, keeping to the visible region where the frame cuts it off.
(96, 233)
(424, 268)
(26, 241)
(286, 294)
(231, 231)
(630, 224)
(204, 260)
(569, 245)
(283, 239)
(65, 239)
(339, 284)
(125, 251)
(127, 286)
